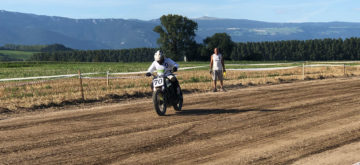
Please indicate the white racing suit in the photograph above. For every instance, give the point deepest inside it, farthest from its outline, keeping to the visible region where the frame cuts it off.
(168, 66)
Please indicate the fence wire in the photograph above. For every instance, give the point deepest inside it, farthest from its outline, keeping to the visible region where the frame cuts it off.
(127, 75)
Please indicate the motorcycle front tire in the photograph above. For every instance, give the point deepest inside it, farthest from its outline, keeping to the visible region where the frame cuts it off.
(159, 102)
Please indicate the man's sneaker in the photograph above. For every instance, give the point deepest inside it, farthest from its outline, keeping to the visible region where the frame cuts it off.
(222, 89)
(214, 90)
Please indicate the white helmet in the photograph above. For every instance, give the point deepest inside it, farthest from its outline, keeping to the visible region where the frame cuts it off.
(158, 56)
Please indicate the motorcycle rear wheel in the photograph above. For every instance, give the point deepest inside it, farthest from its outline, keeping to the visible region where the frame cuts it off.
(179, 104)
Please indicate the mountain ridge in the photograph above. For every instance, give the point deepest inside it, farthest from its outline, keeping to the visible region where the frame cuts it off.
(118, 33)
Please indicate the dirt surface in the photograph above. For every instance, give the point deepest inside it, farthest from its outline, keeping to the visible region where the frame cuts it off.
(309, 122)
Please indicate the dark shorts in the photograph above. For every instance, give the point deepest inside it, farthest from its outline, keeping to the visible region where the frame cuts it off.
(217, 75)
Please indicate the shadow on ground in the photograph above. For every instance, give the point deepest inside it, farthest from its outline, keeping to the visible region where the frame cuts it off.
(219, 111)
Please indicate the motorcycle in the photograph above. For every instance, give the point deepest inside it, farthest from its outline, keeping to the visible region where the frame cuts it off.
(164, 93)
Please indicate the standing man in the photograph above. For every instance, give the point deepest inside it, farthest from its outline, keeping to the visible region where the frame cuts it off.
(217, 68)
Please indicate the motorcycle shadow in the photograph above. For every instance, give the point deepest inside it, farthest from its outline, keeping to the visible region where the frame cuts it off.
(219, 111)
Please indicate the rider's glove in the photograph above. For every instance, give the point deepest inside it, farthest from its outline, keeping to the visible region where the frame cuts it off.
(148, 74)
(210, 71)
(174, 69)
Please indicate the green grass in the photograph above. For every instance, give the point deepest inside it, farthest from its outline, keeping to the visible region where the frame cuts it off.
(31, 69)
(20, 55)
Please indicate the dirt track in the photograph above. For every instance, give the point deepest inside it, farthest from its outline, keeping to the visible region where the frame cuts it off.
(309, 122)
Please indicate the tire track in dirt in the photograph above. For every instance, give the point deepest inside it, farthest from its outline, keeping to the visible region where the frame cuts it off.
(130, 109)
(130, 133)
(99, 135)
(116, 125)
(259, 137)
(125, 132)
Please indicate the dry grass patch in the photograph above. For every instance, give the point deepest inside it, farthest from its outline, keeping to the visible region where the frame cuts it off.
(15, 95)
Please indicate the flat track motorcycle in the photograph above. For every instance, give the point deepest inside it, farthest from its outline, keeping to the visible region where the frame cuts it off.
(165, 94)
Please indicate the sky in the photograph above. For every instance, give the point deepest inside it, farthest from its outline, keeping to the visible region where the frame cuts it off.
(260, 10)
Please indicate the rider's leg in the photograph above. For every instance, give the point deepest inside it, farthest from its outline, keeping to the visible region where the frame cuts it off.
(175, 83)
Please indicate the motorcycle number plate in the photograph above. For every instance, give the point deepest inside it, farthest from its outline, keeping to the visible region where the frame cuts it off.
(158, 82)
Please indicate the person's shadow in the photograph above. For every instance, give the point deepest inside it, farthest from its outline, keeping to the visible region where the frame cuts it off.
(219, 111)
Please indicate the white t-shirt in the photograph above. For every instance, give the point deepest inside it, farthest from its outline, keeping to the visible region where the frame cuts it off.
(168, 66)
(217, 62)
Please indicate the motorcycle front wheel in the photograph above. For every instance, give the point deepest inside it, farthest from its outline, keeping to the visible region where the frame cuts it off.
(159, 102)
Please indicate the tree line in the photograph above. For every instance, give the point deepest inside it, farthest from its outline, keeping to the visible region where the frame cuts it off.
(36, 48)
(295, 50)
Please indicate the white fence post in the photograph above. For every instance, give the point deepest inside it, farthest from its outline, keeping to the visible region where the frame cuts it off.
(303, 72)
(81, 86)
(107, 78)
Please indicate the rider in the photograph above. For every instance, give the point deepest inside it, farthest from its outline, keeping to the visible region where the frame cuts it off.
(170, 65)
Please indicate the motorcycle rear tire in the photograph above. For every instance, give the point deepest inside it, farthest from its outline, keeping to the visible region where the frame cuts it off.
(179, 104)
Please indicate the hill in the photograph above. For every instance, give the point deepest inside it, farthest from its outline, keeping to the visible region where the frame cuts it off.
(14, 55)
(30, 29)
(242, 30)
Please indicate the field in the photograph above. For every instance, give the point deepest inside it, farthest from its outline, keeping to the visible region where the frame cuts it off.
(18, 55)
(303, 122)
(31, 69)
(23, 96)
